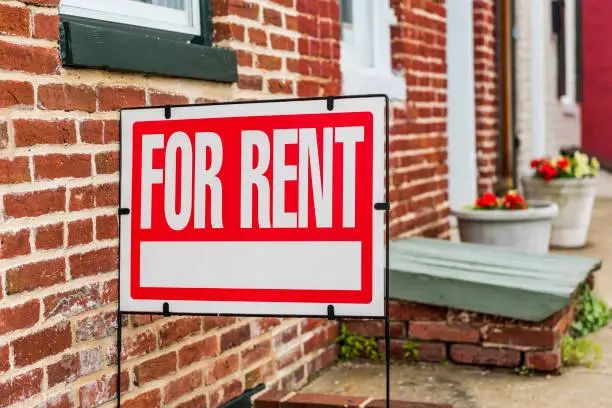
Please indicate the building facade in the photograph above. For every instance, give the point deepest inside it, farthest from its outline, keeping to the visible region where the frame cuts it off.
(65, 72)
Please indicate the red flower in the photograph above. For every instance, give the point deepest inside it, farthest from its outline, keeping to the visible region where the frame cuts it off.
(487, 200)
(514, 201)
(535, 163)
(563, 163)
(547, 171)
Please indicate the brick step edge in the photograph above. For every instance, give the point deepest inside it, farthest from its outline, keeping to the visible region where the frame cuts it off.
(287, 399)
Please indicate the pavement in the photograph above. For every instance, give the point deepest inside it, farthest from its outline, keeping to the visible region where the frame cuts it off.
(470, 387)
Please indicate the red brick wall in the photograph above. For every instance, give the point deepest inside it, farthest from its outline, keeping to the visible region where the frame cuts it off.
(485, 76)
(419, 182)
(58, 224)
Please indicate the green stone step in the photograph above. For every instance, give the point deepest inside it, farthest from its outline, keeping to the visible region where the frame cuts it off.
(485, 278)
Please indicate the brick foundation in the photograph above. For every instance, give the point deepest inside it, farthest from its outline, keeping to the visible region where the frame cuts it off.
(463, 337)
(284, 399)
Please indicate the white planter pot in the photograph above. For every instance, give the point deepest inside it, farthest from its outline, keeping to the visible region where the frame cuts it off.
(575, 198)
(527, 230)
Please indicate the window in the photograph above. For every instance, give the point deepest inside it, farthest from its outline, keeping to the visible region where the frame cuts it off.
(164, 37)
(366, 49)
(172, 15)
(567, 28)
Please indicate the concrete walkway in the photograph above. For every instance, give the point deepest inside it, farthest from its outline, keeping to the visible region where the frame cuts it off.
(466, 387)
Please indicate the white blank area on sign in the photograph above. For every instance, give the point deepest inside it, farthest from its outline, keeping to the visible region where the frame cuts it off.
(329, 265)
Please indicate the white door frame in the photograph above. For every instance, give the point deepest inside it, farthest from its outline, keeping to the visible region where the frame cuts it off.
(461, 121)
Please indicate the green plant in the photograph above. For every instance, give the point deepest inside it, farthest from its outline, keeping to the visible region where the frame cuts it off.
(524, 371)
(579, 351)
(411, 350)
(353, 346)
(592, 314)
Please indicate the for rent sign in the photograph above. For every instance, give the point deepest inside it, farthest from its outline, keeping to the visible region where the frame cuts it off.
(254, 208)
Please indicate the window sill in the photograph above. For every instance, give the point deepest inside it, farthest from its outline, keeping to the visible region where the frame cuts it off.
(569, 107)
(359, 81)
(91, 45)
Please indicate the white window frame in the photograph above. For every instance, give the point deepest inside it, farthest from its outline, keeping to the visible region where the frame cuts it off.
(365, 52)
(568, 100)
(137, 14)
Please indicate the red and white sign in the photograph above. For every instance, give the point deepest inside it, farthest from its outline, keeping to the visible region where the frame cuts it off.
(256, 208)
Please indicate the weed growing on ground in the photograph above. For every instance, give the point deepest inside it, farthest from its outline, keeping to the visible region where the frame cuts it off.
(524, 371)
(592, 314)
(579, 351)
(411, 350)
(353, 346)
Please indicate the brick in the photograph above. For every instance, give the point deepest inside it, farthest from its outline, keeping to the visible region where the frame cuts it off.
(428, 351)
(28, 58)
(259, 375)
(148, 399)
(71, 367)
(155, 368)
(30, 132)
(140, 344)
(47, 342)
(286, 3)
(288, 357)
(53, 166)
(256, 353)
(521, 337)
(110, 290)
(224, 393)
(163, 98)
(544, 360)
(263, 325)
(96, 327)
(229, 31)
(46, 26)
(217, 322)
(196, 402)
(92, 131)
(222, 368)
(5, 364)
(315, 342)
(15, 93)
(177, 330)
(443, 332)
(13, 244)
(111, 131)
(49, 236)
(321, 400)
(294, 378)
(115, 98)
(102, 390)
(209, 347)
(142, 319)
(107, 162)
(107, 195)
(244, 9)
(35, 275)
(258, 37)
(19, 317)
(273, 17)
(14, 20)
(381, 403)
(415, 311)
(93, 262)
(269, 63)
(271, 398)
(66, 97)
(182, 386)
(82, 198)
(322, 361)
(65, 400)
(306, 88)
(285, 336)
(107, 227)
(469, 354)
(282, 42)
(276, 86)
(72, 302)
(21, 387)
(14, 171)
(235, 337)
(375, 328)
(3, 135)
(244, 58)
